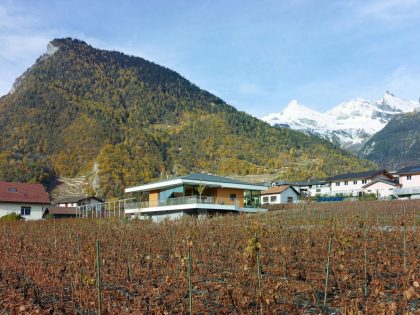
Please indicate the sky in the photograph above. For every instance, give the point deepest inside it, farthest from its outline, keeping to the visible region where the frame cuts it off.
(255, 55)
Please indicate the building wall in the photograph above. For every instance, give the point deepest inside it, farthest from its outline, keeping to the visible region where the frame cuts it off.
(350, 188)
(413, 182)
(281, 197)
(277, 201)
(153, 198)
(318, 190)
(36, 210)
(380, 189)
(225, 193)
(289, 192)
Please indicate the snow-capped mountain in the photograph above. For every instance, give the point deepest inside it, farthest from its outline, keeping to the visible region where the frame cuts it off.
(348, 124)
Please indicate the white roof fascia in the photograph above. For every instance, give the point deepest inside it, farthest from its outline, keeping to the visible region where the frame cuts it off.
(181, 181)
(154, 186)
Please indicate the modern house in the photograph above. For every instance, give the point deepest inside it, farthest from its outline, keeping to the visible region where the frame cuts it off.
(67, 207)
(194, 194)
(409, 178)
(354, 184)
(28, 200)
(279, 195)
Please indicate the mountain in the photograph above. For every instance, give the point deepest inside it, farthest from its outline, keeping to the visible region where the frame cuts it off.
(397, 144)
(348, 124)
(121, 120)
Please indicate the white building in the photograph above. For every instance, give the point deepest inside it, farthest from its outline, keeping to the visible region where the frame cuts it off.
(279, 194)
(382, 188)
(409, 178)
(28, 200)
(316, 187)
(353, 184)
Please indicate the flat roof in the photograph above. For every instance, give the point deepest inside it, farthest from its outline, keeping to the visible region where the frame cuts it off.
(197, 179)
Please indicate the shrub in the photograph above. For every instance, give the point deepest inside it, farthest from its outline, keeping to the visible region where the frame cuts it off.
(12, 217)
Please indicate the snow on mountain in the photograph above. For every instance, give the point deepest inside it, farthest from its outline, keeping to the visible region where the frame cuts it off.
(348, 124)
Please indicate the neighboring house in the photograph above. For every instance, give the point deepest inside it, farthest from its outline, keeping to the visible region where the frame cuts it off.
(28, 200)
(383, 189)
(409, 178)
(279, 194)
(194, 194)
(296, 185)
(316, 187)
(67, 207)
(352, 184)
(77, 201)
(61, 212)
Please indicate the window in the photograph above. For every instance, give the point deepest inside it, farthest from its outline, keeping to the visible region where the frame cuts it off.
(346, 183)
(12, 189)
(337, 184)
(265, 199)
(364, 181)
(355, 182)
(289, 199)
(25, 211)
(232, 197)
(273, 198)
(318, 190)
(408, 177)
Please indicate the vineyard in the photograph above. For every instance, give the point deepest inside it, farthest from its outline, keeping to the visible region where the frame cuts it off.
(343, 258)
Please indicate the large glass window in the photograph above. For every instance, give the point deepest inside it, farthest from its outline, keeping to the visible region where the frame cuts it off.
(173, 192)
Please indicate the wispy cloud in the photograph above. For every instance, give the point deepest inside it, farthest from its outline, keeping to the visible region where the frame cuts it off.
(390, 10)
(404, 81)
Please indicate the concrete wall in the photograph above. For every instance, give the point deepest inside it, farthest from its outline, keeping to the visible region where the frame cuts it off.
(36, 210)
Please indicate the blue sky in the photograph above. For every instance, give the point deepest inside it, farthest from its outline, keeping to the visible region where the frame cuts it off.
(256, 55)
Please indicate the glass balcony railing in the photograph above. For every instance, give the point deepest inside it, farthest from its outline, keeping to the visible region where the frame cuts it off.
(183, 201)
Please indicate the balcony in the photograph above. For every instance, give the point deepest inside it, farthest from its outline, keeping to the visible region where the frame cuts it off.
(189, 202)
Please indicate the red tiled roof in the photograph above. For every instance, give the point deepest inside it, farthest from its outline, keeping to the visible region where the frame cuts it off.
(23, 193)
(275, 190)
(62, 210)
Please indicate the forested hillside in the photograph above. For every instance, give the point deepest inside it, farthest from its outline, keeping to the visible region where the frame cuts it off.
(397, 144)
(78, 106)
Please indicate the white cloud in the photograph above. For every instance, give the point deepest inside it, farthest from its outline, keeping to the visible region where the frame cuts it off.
(404, 81)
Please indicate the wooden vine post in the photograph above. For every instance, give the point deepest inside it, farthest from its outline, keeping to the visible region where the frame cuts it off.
(327, 273)
(99, 281)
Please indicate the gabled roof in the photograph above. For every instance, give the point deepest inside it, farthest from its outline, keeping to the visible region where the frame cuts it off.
(197, 179)
(23, 193)
(409, 170)
(75, 199)
(278, 190)
(389, 182)
(62, 210)
(360, 175)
